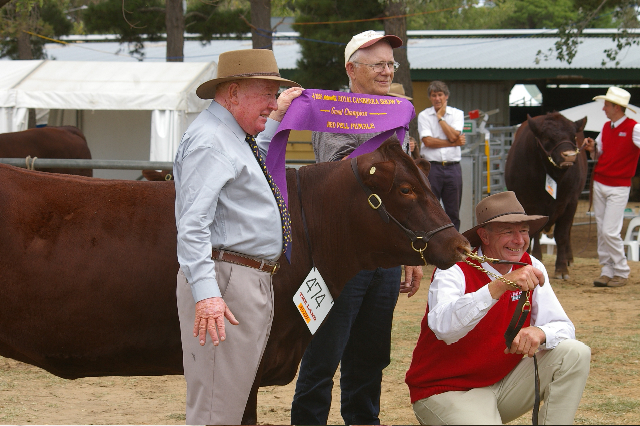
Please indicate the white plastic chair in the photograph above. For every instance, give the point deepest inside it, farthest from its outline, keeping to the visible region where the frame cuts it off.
(544, 240)
(632, 239)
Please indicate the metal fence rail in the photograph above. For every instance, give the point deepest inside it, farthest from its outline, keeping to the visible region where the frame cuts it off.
(51, 163)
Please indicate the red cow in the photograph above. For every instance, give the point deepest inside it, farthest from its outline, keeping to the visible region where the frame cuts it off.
(65, 142)
(548, 146)
(89, 265)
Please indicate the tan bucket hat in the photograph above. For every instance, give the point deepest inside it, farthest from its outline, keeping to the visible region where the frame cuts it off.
(617, 96)
(397, 90)
(366, 39)
(502, 207)
(241, 64)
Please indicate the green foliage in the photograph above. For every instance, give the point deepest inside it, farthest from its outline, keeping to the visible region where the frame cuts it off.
(322, 62)
(210, 20)
(539, 14)
(44, 18)
(140, 20)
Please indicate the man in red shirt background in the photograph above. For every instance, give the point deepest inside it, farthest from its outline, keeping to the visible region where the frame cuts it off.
(617, 150)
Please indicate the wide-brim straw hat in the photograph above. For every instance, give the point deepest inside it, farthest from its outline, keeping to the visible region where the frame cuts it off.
(366, 39)
(617, 96)
(502, 207)
(243, 64)
(397, 90)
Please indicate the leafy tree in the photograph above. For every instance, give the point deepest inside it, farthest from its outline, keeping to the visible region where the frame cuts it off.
(35, 16)
(322, 61)
(134, 21)
(211, 19)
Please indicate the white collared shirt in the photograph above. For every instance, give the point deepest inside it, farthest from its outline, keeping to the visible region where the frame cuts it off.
(452, 313)
(635, 136)
(223, 199)
(428, 125)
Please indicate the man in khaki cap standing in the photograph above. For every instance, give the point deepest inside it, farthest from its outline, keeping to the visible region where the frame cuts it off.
(232, 228)
(617, 150)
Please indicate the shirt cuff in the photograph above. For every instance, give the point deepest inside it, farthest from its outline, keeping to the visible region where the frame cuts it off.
(550, 339)
(205, 289)
(270, 128)
(483, 297)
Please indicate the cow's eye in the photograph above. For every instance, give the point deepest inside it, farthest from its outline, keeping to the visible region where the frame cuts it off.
(405, 190)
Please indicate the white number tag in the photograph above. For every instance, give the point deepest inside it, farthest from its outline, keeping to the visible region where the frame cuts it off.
(552, 187)
(313, 300)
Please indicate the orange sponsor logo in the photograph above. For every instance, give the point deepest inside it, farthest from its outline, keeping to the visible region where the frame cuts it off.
(304, 313)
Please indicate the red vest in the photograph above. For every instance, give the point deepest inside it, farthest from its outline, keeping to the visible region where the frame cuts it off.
(619, 159)
(477, 360)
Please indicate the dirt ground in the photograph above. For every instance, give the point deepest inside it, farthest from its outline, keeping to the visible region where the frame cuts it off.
(606, 319)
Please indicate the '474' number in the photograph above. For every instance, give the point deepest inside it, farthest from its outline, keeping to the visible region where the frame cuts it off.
(319, 296)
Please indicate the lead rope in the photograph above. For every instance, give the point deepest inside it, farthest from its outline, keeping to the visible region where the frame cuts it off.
(519, 317)
(30, 165)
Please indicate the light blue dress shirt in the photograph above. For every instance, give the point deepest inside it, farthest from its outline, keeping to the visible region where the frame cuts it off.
(223, 199)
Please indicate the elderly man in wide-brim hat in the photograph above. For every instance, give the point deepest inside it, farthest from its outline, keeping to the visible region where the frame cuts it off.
(232, 227)
(462, 371)
(617, 149)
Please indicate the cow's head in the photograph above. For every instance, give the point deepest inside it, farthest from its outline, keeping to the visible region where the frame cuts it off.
(406, 194)
(558, 138)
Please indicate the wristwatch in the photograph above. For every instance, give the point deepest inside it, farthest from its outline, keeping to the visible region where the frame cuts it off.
(440, 119)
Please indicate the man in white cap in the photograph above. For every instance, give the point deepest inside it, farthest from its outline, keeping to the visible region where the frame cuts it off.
(357, 332)
(464, 369)
(232, 228)
(617, 149)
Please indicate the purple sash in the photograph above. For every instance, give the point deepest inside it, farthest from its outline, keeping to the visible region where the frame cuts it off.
(338, 112)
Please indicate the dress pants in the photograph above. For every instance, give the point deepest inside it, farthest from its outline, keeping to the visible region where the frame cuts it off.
(563, 376)
(609, 203)
(357, 335)
(446, 184)
(219, 378)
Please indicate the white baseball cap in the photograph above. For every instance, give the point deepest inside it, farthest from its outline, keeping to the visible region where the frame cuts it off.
(617, 96)
(366, 39)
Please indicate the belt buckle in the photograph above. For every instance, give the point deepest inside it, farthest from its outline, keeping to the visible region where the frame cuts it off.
(275, 268)
(444, 163)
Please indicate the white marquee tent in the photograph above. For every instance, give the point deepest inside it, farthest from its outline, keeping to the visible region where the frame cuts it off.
(132, 110)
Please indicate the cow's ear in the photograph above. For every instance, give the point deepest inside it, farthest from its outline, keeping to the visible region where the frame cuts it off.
(532, 125)
(380, 176)
(423, 165)
(580, 124)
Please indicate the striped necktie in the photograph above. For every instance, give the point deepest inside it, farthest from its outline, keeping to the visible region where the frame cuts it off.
(284, 214)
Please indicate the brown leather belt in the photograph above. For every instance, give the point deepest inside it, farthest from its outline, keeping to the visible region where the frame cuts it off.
(444, 163)
(241, 259)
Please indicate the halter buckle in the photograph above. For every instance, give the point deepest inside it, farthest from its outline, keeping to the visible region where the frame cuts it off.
(377, 198)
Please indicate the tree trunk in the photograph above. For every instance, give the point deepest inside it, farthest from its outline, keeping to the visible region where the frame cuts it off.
(261, 24)
(398, 27)
(24, 46)
(174, 21)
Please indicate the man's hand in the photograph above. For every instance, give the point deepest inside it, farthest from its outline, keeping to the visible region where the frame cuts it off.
(284, 101)
(210, 314)
(589, 144)
(442, 111)
(462, 139)
(527, 341)
(526, 278)
(412, 277)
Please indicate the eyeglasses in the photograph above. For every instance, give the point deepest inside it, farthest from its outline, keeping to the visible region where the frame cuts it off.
(380, 66)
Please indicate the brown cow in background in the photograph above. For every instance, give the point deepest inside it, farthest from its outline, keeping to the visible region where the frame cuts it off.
(89, 266)
(548, 145)
(66, 142)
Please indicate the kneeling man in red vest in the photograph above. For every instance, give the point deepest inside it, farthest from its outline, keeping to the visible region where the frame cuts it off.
(466, 369)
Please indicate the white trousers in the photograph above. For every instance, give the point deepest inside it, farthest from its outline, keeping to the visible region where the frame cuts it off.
(563, 376)
(609, 203)
(219, 378)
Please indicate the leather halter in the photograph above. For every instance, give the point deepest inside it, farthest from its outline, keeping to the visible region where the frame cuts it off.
(376, 203)
(548, 154)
